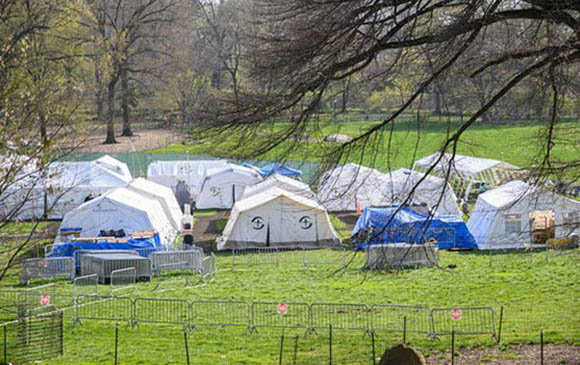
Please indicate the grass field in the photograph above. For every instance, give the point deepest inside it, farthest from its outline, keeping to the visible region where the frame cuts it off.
(515, 143)
(539, 295)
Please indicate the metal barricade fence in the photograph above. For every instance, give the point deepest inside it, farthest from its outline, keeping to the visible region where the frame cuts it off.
(166, 258)
(340, 316)
(464, 321)
(123, 279)
(96, 307)
(553, 251)
(399, 318)
(398, 255)
(255, 256)
(46, 268)
(153, 310)
(9, 304)
(506, 255)
(147, 251)
(86, 285)
(208, 267)
(179, 266)
(220, 313)
(28, 301)
(291, 255)
(280, 315)
(81, 264)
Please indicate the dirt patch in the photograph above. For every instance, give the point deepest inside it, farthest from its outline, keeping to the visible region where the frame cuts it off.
(515, 355)
(143, 140)
(206, 230)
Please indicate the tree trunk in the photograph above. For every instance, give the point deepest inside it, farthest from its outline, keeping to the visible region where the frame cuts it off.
(125, 102)
(99, 92)
(345, 94)
(111, 113)
(437, 102)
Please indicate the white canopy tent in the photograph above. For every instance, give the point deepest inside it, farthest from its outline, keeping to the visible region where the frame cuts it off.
(501, 217)
(163, 195)
(190, 174)
(431, 191)
(467, 171)
(124, 209)
(346, 187)
(283, 182)
(63, 186)
(277, 218)
(223, 186)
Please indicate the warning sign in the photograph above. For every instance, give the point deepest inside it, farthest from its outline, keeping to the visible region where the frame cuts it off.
(282, 308)
(45, 299)
(456, 314)
(42, 263)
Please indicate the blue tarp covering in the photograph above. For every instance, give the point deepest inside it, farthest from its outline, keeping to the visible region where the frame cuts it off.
(411, 227)
(68, 249)
(275, 168)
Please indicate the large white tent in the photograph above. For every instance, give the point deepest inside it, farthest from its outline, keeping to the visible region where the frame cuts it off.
(124, 209)
(186, 174)
(344, 188)
(277, 218)
(163, 195)
(223, 186)
(282, 182)
(433, 193)
(63, 186)
(501, 217)
(465, 171)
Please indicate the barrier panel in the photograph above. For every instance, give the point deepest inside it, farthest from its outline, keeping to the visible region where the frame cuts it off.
(399, 318)
(292, 255)
(33, 338)
(84, 267)
(28, 301)
(280, 315)
(96, 307)
(562, 247)
(171, 311)
(208, 267)
(399, 255)
(177, 258)
(464, 321)
(86, 285)
(505, 255)
(46, 268)
(340, 316)
(220, 313)
(123, 279)
(179, 266)
(255, 256)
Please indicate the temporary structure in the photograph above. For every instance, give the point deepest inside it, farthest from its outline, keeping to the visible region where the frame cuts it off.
(433, 193)
(187, 174)
(163, 195)
(63, 186)
(467, 171)
(349, 187)
(502, 217)
(223, 186)
(277, 218)
(120, 209)
(380, 225)
(282, 182)
(274, 168)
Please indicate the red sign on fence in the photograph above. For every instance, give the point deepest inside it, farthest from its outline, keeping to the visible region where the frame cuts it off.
(42, 263)
(456, 314)
(45, 299)
(282, 308)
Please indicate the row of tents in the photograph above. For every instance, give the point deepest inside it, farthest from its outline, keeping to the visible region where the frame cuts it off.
(500, 218)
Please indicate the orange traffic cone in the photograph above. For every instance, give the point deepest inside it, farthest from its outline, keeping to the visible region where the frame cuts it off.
(358, 208)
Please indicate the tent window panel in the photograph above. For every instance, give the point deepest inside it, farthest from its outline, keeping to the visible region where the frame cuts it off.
(571, 220)
(513, 223)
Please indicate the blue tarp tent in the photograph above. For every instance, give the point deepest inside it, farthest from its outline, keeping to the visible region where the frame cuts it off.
(373, 227)
(275, 168)
(69, 248)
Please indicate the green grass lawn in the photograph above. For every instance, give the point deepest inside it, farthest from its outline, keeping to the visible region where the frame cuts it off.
(539, 295)
(515, 143)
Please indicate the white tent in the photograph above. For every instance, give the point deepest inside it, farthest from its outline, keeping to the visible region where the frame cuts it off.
(346, 187)
(283, 182)
(223, 186)
(501, 217)
(278, 218)
(189, 173)
(63, 186)
(399, 183)
(163, 195)
(466, 171)
(124, 209)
